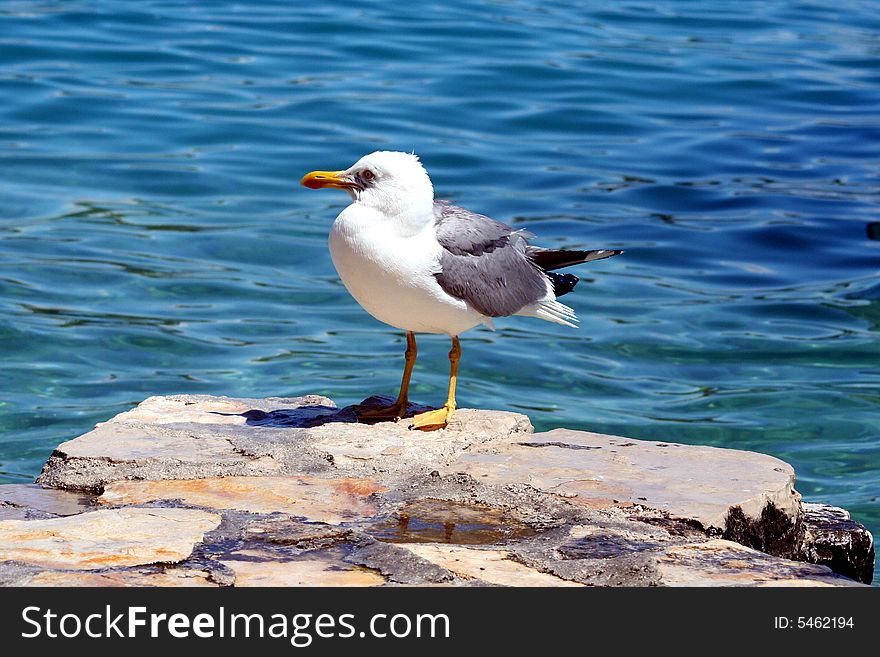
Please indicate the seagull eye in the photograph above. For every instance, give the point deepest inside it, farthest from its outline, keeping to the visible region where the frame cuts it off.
(366, 174)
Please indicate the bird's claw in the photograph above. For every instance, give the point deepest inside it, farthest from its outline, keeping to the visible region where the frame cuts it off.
(432, 420)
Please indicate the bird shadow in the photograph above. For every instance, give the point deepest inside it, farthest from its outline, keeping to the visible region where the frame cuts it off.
(315, 415)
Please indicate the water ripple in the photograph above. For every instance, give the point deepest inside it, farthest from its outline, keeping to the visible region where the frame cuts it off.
(153, 239)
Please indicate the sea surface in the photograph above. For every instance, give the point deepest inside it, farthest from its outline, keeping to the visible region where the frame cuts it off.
(154, 238)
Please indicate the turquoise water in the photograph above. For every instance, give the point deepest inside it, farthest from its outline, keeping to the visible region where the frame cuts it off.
(153, 238)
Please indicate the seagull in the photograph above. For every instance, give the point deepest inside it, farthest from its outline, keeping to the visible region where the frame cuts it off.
(427, 266)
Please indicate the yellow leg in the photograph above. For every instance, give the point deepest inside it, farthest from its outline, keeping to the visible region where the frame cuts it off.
(398, 409)
(440, 418)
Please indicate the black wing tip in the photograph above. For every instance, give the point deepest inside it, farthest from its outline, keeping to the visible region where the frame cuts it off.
(562, 283)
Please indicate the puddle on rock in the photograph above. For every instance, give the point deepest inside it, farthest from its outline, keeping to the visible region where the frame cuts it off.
(442, 521)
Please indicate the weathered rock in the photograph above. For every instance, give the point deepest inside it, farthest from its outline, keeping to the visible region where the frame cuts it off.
(174, 577)
(442, 521)
(40, 502)
(206, 409)
(398, 564)
(103, 539)
(833, 539)
(283, 530)
(599, 554)
(320, 568)
(295, 492)
(331, 501)
(177, 437)
(198, 436)
(724, 563)
(491, 566)
(703, 484)
(596, 542)
(393, 447)
(14, 573)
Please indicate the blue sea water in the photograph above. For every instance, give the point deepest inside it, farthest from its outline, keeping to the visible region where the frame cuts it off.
(153, 238)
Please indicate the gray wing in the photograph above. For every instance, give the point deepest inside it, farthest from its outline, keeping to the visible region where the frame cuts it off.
(485, 262)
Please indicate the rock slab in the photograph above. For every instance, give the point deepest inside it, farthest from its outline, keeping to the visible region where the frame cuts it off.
(707, 485)
(330, 501)
(193, 490)
(102, 539)
(833, 539)
(198, 436)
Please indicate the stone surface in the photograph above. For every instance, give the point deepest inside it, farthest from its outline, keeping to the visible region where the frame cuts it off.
(283, 530)
(47, 501)
(491, 566)
(703, 484)
(442, 521)
(331, 501)
(206, 409)
(725, 563)
(198, 436)
(21, 513)
(294, 492)
(831, 538)
(130, 577)
(398, 564)
(394, 447)
(629, 554)
(103, 539)
(322, 568)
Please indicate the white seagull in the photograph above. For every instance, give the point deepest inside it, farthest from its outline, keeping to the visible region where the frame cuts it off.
(427, 266)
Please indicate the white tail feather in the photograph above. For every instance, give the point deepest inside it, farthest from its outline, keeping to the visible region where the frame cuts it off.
(551, 311)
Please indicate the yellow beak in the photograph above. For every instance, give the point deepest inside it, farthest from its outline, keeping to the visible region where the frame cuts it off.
(319, 179)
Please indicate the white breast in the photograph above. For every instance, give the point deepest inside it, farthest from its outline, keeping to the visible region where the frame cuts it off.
(392, 276)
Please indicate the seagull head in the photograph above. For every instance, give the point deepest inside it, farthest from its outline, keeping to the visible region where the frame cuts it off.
(389, 182)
